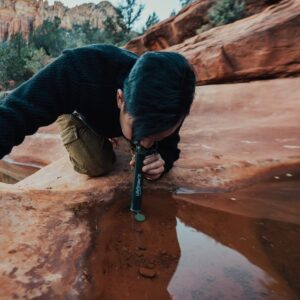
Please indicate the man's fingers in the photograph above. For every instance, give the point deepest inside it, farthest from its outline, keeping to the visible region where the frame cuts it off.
(151, 158)
(155, 171)
(155, 165)
(152, 177)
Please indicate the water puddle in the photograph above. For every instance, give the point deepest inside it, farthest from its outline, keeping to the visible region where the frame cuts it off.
(208, 269)
(192, 191)
(196, 246)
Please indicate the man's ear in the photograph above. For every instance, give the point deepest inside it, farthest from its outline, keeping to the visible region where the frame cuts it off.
(120, 99)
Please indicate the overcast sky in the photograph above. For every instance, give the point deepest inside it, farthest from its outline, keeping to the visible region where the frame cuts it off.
(162, 7)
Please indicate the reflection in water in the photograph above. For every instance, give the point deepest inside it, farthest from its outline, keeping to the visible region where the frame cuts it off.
(240, 245)
(129, 260)
(197, 247)
(209, 270)
(192, 191)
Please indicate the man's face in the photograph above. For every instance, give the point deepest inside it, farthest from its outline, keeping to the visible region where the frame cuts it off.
(126, 122)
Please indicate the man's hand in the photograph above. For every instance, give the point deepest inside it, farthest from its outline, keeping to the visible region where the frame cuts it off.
(153, 166)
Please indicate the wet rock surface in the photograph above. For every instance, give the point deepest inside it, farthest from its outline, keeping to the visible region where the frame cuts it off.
(138, 261)
(86, 245)
(193, 248)
(262, 225)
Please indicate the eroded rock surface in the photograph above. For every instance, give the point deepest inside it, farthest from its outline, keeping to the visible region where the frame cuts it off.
(37, 151)
(187, 23)
(23, 15)
(40, 149)
(265, 45)
(43, 239)
(173, 30)
(41, 242)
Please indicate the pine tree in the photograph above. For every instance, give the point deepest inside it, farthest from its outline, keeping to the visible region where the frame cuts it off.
(131, 11)
(226, 11)
(185, 2)
(152, 20)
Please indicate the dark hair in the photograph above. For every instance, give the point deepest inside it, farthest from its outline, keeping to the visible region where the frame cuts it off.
(158, 92)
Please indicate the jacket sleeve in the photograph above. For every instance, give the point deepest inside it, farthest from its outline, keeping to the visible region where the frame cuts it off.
(168, 149)
(35, 103)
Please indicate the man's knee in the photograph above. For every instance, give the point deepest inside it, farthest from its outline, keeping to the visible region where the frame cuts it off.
(89, 153)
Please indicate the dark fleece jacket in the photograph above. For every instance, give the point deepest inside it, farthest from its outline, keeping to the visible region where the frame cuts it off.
(85, 80)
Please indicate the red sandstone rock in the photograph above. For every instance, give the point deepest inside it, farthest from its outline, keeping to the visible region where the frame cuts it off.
(147, 273)
(173, 30)
(239, 133)
(184, 25)
(266, 45)
(235, 134)
(12, 173)
(35, 152)
(39, 149)
(22, 15)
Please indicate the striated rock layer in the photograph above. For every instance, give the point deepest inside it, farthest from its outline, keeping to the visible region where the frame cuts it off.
(40, 149)
(266, 45)
(173, 30)
(35, 152)
(23, 15)
(185, 24)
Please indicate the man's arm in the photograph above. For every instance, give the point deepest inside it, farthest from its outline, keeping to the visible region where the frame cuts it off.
(37, 102)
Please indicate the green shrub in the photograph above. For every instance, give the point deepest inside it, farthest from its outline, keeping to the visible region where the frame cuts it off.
(18, 61)
(185, 2)
(226, 11)
(12, 60)
(49, 36)
(85, 34)
(35, 60)
(152, 20)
